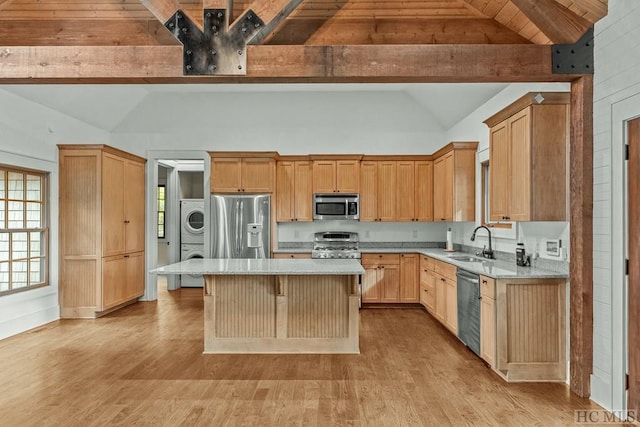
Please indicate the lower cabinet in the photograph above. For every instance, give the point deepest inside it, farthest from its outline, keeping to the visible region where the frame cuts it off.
(439, 292)
(451, 314)
(409, 279)
(122, 279)
(427, 286)
(391, 278)
(381, 281)
(531, 329)
(488, 320)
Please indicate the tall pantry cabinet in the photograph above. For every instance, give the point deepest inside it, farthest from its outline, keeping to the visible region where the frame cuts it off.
(102, 232)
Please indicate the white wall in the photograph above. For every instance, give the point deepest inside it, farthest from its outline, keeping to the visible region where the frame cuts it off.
(28, 136)
(616, 81)
(472, 128)
(287, 122)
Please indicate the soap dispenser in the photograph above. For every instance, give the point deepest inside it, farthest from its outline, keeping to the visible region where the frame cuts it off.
(522, 259)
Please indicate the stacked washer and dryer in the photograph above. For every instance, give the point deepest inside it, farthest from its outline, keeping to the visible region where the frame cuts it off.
(191, 237)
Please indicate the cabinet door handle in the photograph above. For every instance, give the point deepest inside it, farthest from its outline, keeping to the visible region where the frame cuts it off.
(127, 222)
(484, 281)
(126, 256)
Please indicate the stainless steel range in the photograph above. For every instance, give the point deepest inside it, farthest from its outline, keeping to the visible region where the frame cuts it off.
(336, 245)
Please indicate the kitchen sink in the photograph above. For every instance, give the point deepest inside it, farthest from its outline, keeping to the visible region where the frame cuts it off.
(466, 258)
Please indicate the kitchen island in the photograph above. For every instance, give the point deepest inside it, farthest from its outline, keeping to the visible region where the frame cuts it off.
(277, 305)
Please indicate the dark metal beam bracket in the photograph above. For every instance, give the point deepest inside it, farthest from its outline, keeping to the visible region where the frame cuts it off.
(574, 58)
(216, 50)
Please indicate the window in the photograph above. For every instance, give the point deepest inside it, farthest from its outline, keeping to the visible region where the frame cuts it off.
(23, 230)
(486, 201)
(161, 202)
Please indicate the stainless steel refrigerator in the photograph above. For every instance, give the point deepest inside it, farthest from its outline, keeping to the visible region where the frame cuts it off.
(240, 226)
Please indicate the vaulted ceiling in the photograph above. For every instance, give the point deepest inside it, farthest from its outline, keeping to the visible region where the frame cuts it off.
(313, 22)
(331, 41)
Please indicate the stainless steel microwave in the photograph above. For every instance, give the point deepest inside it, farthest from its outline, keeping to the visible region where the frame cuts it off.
(336, 206)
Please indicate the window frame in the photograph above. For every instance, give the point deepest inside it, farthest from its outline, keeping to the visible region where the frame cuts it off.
(44, 228)
(163, 211)
(485, 171)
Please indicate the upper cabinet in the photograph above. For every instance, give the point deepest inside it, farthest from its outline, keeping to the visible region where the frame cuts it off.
(294, 189)
(252, 172)
(336, 174)
(454, 178)
(396, 188)
(527, 158)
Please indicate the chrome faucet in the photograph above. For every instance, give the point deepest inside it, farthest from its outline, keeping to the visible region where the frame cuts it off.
(486, 253)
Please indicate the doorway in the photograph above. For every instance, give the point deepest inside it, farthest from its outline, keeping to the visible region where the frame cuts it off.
(633, 293)
(165, 167)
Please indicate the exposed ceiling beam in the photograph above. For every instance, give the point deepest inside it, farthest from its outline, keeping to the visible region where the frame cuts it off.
(269, 63)
(561, 25)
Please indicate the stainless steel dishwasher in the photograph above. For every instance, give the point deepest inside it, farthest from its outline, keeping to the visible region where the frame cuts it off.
(469, 309)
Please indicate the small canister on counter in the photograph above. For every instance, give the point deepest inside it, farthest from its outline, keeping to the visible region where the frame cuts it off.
(522, 259)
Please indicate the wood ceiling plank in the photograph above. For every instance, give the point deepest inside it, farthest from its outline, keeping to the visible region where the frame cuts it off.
(317, 31)
(163, 10)
(85, 33)
(268, 63)
(556, 21)
(5, 3)
(272, 13)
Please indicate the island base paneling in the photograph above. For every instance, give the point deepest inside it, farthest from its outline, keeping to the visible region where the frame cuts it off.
(281, 314)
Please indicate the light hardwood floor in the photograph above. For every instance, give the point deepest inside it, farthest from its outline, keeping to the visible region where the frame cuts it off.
(143, 365)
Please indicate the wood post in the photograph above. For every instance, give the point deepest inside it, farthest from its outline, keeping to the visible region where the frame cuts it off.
(581, 217)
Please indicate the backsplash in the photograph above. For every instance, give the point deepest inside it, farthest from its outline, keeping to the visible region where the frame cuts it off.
(368, 231)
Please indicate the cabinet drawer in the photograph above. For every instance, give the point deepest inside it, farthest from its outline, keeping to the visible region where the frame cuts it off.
(427, 263)
(445, 269)
(386, 259)
(487, 287)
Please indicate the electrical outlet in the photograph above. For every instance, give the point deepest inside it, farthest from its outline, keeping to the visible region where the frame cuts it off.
(296, 234)
(415, 234)
(367, 234)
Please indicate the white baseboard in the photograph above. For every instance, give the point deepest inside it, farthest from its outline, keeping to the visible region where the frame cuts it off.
(29, 321)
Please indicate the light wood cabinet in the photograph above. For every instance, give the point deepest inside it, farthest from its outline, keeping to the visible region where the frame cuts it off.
(531, 329)
(527, 158)
(378, 191)
(451, 316)
(423, 190)
(439, 283)
(292, 255)
(336, 175)
(243, 172)
(294, 191)
(441, 298)
(102, 232)
(381, 282)
(396, 190)
(488, 320)
(454, 182)
(409, 279)
(427, 285)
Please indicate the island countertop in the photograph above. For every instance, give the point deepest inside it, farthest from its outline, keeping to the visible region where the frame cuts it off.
(268, 266)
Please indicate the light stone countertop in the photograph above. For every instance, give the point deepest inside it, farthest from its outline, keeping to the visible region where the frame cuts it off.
(263, 267)
(491, 268)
